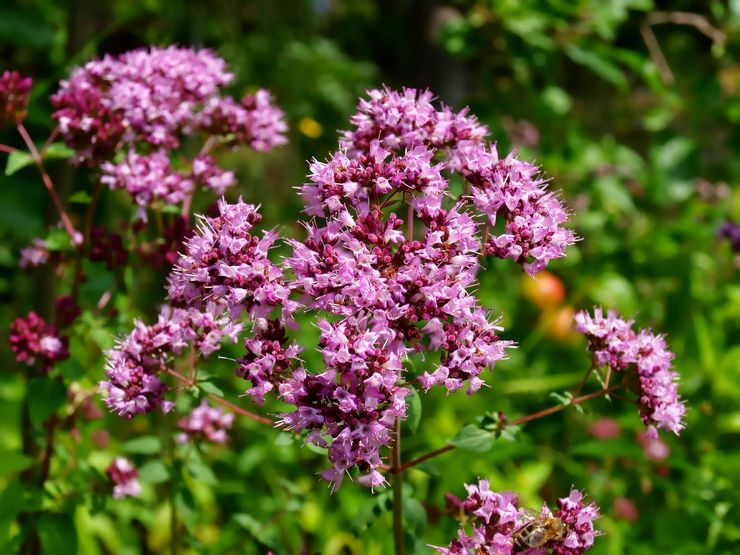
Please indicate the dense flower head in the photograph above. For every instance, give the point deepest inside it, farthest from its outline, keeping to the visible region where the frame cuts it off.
(355, 401)
(125, 478)
(371, 176)
(224, 263)
(205, 423)
(255, 121)
(268, 358)
(499, 526)
(511, 189)
(133, 385)
(14, 92)
(148, 178)
(107, 247)
(67, 310)
(36, 254)
(406, 119)
(614, 343)
(33, 340)
(207, 174)
(156, 96)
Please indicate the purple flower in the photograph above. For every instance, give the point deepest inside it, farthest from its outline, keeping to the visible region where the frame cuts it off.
(14, 93)
(497, 524)
(268, 359)
(355, 401)
(107, 246)
(36, 254)
(125, 480)
(614, 343)
(254, 121)
(133, 385)
(343, 182)
(731, 232)
(207, 174)
(67, 310)
(533, 233)
(206, 422)
(226, 264)
(33, 340)
(407, 119)
(148, 179)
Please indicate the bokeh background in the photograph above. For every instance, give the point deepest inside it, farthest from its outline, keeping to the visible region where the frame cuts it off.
(630, 106)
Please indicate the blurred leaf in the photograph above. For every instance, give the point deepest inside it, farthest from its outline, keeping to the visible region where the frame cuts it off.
(472, 438)
(154, 472)
(210, 387)
(17, 160)
(13, 461)
(45, 397)
(413, 415)
(601, 66)
(58, 150)
(145, 445)
(80, 197)
(57, 533)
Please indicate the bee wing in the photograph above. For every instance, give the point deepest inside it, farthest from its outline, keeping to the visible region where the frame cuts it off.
(528, 517)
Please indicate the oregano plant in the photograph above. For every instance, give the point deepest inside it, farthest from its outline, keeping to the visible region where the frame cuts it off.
(399, 224)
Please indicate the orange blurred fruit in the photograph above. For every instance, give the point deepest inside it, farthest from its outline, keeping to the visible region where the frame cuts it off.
(544, 290)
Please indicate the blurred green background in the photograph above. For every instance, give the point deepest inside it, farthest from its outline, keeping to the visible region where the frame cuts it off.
(630, 106)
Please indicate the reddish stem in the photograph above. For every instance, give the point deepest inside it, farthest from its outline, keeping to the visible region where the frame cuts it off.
(8, 149)
(540, 414)
(223, 402)
(49, 184)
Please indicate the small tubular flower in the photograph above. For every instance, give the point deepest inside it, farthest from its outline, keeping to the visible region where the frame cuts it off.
(512, 189)
(14, 93)
(644, 356)
(406, 119)
(501, 527)
(224, 263)
(36, 254)
(125, 478)
(133, 366)
(355, 401)
(148, 178)
(205, 423)
(33, 340)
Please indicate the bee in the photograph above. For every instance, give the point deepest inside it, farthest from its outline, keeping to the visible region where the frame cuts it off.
(539, 530)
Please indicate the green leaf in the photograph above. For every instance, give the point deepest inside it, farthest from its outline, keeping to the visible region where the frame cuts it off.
(210, 387)
(17, 160)
(598, 64)
(57, 533)
(202, 472)
(81, 197)
(13, 461)
(154, 472)
(414, 513)
(58, 150)
(145, 445)
(45, 397)
(413, 416)
(472, 438)
(58, 240)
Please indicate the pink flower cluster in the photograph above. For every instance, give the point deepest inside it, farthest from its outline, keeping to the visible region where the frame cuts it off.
(14, 92)
(146, 101)
(613, 343)
(125, 478)
(224, 263)
(512, 190)
(205, 423)
(382, 286)
(133, 385)
(36, 254)
(148, 178)
(403, 120)
(355, 401)
(33, 340)
(499, 524)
